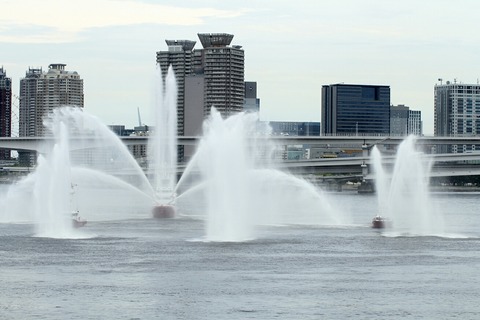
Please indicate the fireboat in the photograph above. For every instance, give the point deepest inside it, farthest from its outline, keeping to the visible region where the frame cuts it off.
(379, 222)
(77, 222)
(164, 209)
(161, 211)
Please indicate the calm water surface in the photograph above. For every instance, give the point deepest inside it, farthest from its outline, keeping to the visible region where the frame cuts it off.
(159, 269)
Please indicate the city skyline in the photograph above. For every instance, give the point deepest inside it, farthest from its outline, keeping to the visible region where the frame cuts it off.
(291, 50)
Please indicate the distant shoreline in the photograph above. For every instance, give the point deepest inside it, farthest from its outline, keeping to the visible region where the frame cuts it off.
(431, 188)
(454, 188)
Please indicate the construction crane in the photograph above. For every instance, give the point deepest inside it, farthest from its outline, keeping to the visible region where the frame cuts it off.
(139, 119)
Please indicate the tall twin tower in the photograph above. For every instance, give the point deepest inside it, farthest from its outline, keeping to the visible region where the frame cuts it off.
(212, 76)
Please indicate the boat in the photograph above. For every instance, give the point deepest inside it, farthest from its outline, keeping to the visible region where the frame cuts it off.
(161, 211)
(77, 222)
(164, 205)
(379, 222)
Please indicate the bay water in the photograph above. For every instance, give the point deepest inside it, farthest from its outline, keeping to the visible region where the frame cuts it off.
(164, 269)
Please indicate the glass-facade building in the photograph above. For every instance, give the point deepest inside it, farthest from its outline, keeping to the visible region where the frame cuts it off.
(349, 109)
(457, 113)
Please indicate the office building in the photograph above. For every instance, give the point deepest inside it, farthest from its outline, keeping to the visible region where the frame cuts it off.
(404, 122)
(399, 120)
(251, 102)
(5, 110)
(350, 109)
(457, 113)
(40, 93)
(415, 123)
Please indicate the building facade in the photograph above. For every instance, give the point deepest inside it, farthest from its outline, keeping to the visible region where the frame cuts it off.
(457, 112)
(223, 67)
(206, 78)
(40, 93)
(180, 57)
(399, 120)
(5, 110)
(404, 121)
(251, 103)
(415, 123)
(349, 109)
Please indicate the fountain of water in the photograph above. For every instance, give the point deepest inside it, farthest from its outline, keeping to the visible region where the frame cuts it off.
(240, 187)
(109, 183)
(162, 146)
(52, 191)
(404, 196)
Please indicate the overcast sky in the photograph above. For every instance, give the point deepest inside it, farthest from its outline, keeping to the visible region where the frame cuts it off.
(292, 48)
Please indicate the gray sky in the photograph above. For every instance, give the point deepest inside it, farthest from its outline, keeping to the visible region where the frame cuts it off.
(292, 48)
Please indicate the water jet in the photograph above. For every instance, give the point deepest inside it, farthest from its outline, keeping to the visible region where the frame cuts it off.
(403, 194)
(162, 147)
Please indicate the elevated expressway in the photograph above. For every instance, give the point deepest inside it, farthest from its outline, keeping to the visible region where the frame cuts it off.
(444, 164)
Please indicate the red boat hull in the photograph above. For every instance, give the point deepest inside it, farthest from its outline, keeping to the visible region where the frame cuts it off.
(78, 223)
(163, 211)
(380, 222)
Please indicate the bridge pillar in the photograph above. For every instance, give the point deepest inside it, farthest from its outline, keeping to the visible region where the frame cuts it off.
(365, 186)
(365, 155)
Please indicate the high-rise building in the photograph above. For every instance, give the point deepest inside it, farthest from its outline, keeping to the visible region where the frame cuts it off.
(5, 110)
(208, 77)
(350, 109)
(40, 93)
(415, 123)
(404, 121)
(194, 116)
(180, 57)
(223, 67)
(28, 102)
(457, 112)
(252, 103)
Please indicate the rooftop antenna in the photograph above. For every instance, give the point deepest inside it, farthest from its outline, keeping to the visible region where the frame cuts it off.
(441, 81)
(139, 119)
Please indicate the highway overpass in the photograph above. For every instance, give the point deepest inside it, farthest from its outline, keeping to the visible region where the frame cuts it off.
(42, 144)
(444, 164)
